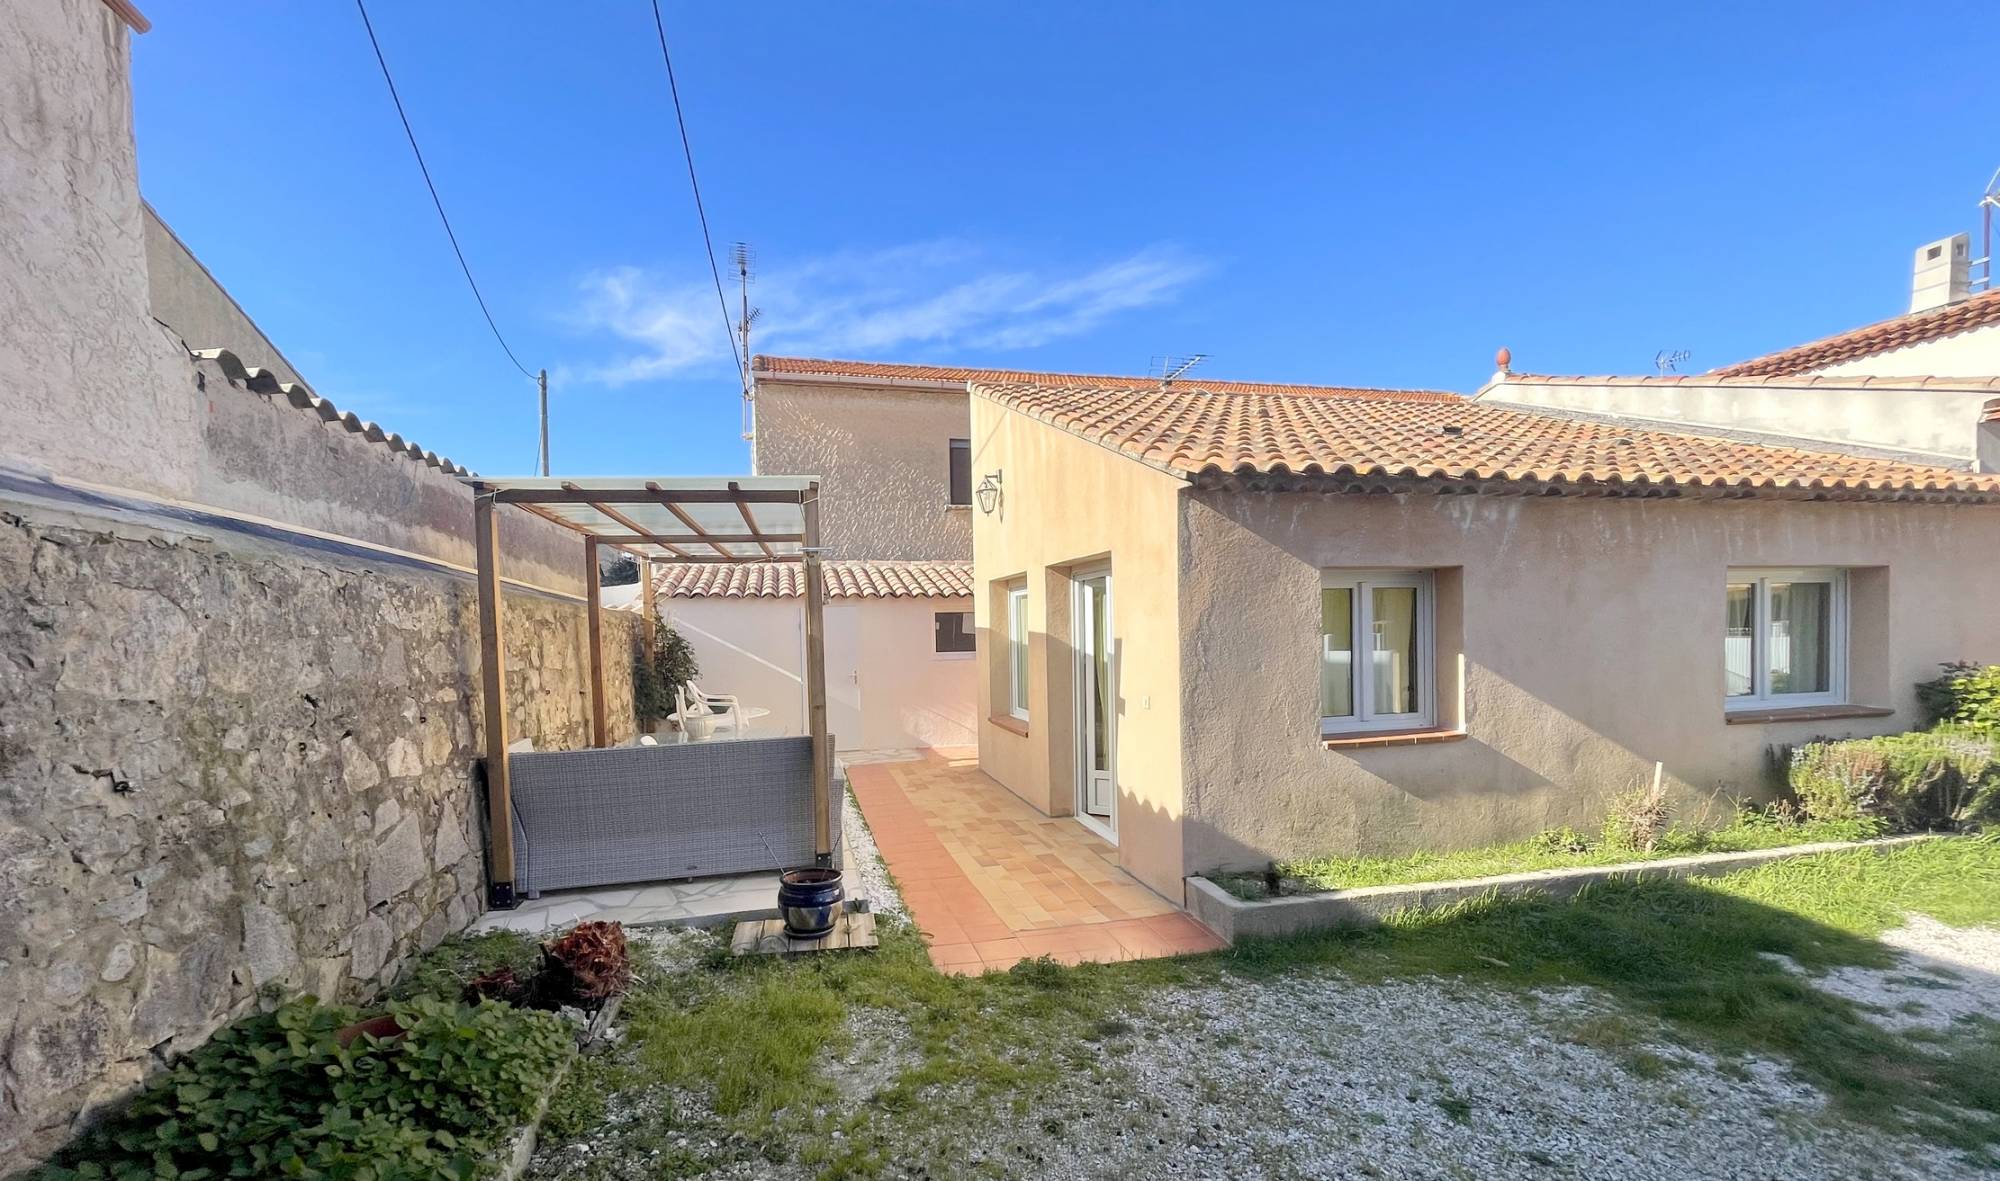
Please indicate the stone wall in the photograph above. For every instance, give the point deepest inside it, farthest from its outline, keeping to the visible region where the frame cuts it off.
(229, 765)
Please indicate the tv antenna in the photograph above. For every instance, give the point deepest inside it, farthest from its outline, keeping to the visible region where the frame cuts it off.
(1171, 368)
(1988, 202)
(1670, 361)
(745, 260)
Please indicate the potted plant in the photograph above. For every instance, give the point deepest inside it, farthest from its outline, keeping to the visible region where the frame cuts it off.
(655, 682)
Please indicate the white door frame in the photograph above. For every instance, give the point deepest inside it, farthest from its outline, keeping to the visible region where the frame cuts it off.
(1081, 672)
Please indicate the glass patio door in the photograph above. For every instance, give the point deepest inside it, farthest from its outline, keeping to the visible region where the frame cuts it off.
(1096, 677)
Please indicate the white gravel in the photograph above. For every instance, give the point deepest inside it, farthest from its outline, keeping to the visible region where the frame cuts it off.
(1943, 976)
(866, 876)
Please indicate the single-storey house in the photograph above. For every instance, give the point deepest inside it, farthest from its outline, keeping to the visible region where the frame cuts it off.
(1222, 628)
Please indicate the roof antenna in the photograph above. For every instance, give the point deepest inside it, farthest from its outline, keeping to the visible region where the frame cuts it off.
(1988, 202)
(1670, 361)
(1170, 368)
(744, 257)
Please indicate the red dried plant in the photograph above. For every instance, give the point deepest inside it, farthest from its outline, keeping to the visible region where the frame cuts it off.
(586, 967)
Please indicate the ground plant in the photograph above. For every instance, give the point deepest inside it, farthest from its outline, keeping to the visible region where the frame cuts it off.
(1942, 779)
(726, 1063)
(281, 1095)
(1965, 694)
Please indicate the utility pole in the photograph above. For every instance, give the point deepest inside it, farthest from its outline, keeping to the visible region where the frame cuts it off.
(744, 256)
(542, 380)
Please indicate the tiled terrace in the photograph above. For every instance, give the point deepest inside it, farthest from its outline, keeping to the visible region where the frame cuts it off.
(990, 881)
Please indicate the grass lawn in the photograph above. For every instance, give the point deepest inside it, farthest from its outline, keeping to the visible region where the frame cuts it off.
(734, 1052)
(1559, 849)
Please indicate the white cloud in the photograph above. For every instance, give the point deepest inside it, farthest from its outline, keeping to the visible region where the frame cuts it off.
(872, 303)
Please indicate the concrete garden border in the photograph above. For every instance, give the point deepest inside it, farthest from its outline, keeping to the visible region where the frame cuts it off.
(1234, 918)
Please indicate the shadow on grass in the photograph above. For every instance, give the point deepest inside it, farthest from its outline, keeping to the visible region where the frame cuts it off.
(1703, 959)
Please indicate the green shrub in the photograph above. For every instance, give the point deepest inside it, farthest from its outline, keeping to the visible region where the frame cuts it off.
(1965, 695)
(277, 1096)
(1938, 779)
(653, 684)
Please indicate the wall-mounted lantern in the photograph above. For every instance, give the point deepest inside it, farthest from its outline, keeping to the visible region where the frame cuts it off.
(988, 493)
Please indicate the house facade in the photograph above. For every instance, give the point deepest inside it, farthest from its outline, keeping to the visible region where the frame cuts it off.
(1223, 629)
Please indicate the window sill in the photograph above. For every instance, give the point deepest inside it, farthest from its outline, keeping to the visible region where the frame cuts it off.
(1390, 738)
(1804, 713)
(1009, 723)
(957, 508)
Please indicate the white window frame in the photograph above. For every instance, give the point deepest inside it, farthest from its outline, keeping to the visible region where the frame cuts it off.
(1361, 584)
(1760, 696)
(1017, 635)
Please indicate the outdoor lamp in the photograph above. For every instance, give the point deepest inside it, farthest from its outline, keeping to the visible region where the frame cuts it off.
(989, 493)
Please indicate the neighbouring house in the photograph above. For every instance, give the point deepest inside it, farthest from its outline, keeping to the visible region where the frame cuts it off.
(1222, 628)
(893, 446)
(1921, 383)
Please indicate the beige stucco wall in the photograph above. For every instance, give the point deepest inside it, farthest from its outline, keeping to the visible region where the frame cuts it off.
(192, 302)
(1070, 503)
(87, 380)
(1590, 631)
(883, 457)
(887, 688)
(1940, 422)
(1968, 354)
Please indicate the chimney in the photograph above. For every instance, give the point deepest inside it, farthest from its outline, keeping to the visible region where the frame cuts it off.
(1943, 273)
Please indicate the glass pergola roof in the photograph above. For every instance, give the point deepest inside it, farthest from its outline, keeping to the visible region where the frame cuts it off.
(670, 518)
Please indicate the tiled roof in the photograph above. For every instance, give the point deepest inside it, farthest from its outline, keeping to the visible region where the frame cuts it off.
(263, 381)
(1978, 311)
(1803, 381)
(1266, 441)
(954, 375)
(845, 579)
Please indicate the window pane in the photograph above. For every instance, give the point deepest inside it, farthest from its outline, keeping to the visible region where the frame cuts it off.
(961, 471)
(1739, 640)
(1393, 646)
(954, 631)
(1336, 652)
(1801, 624)
(1017, 648)
(1100, 676)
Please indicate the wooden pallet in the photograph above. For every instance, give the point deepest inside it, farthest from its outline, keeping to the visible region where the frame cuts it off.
(851, 929)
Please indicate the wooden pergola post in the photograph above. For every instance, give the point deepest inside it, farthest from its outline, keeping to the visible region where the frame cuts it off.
(599, 732)
(493, 683)
(822, 743)
(648, 630)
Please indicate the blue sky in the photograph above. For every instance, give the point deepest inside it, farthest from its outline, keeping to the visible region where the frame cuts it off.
(1368, 195)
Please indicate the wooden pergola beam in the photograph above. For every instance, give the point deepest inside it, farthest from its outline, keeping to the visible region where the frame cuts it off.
(624, 543)
(726, 538)
(652, 494)
(822, 742)
(636, 528)
(750, 522)
(493, 686)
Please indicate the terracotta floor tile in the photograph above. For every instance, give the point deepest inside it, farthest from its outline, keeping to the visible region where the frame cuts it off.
(945, 954)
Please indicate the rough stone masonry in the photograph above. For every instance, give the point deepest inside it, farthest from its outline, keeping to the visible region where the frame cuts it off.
(233, 770)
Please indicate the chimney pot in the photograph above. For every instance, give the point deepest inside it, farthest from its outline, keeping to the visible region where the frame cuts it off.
(1943, 273)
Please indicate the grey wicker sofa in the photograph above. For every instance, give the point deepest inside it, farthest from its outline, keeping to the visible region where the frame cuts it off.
(653, 813)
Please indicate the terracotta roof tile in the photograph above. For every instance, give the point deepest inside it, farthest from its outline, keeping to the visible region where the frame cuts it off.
(1978, 311)
(845, 579)
(1205, 435)
(950, 374)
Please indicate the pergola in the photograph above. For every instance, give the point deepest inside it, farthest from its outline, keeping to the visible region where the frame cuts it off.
(663, 520)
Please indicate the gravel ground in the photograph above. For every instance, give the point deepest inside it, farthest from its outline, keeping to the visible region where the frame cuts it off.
(1315, 1076)
(1945, 975)
(866, 875)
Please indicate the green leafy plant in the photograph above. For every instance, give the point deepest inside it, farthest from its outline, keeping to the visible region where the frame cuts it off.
(1937, 779)
(1966, 695)
(279, 1095)
(653, 682)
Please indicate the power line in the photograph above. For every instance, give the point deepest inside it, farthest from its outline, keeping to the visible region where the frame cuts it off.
(707, 240)
(435, 200)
